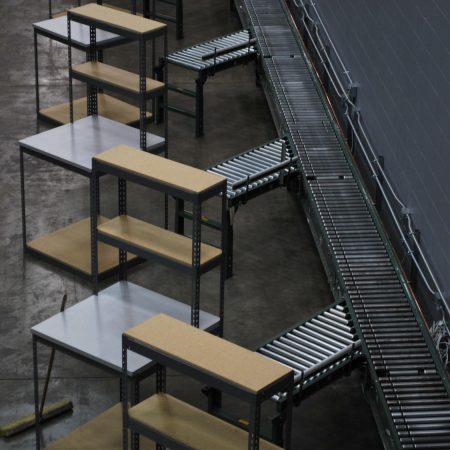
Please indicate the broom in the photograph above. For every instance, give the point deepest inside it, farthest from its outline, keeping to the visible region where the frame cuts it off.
(45, 412)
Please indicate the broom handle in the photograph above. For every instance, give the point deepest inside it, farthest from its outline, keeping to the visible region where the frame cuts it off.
(50, 364)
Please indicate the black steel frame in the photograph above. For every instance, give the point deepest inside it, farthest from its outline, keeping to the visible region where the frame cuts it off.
(254, 400)
(196, 269)
(28, 250)
(202, 77)
(95, 85)
(134, 379)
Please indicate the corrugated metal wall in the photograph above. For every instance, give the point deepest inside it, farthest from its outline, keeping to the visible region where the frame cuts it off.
(398, 53)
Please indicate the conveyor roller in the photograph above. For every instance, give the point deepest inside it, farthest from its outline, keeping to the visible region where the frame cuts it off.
(316, 347)
(255, 169)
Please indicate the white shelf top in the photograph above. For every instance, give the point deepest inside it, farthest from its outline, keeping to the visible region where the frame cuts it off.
(93, 327)
(78, 142)
(79, 32)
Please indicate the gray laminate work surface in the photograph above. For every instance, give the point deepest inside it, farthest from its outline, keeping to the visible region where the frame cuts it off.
(93, 327)
(80, 33)
(77, 143)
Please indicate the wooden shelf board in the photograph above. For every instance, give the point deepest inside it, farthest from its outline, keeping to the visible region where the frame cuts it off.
(156, 240)
(161, 170)
(71, 246)
(108, 106)
(116, 77)
(122, 20)
(210, 354)
(191, 426)
(104, 432)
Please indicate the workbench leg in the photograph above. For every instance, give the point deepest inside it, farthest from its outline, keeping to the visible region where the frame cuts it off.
(179, 216)
(36, 395)
(179, 18)
(253, 429)
(134, 385)
(122, 185)
(288, 415)
(278, 427)
(22, 197)
(199, 104)
(36, 73)
(229, 241)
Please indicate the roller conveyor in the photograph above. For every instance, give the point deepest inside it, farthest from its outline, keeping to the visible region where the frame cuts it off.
(206, 59)
(256, 170)
(410, 391)
(192, 57)
(316, 348)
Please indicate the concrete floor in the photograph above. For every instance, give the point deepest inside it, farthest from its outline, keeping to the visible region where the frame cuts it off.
(278, 278)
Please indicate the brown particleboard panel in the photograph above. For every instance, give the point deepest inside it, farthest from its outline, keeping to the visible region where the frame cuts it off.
(210, 354)
(191, 426)
(109, 107)
(122, 20)
(116, 77)
(160, 170)
(157, 240)
(104, 432)
(71, 245)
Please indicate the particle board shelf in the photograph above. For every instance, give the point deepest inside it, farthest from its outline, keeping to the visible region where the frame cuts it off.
(105, 74)
(71, 246)
(234, 365)
(155, 240)
(190, 426)
(162, 171)
(109, 107)
(104, 432)
(117, 21)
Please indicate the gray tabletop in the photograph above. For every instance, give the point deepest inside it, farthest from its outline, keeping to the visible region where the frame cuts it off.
(93, 328)
(80, 33)
(77, 143)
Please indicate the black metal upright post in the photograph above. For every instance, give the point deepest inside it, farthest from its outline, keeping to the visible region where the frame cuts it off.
(95, 202)
(199, 103)
(124, 385)
(142, 94)
(179, 18)
(253, 428)
(69, 53)
(166, 122)
(36, 395)
(122, 186)
(223, 265)
(36, 72)
(92, 91)
(196, 249)
(22, 196)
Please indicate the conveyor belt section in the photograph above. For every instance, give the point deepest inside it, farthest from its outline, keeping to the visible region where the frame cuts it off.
(415, 396)
(316, 348)
(411, 387)
(256, 170)
(192, 57)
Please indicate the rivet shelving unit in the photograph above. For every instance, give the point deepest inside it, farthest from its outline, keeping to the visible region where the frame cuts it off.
(55, 29)
(148, 241)
(211, 360)
(91, 331)
(98, 75)
(72, 147)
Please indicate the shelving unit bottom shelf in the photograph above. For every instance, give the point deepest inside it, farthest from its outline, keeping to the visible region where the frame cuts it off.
(71, 246)
(102, 432)
(188, 425)
(109, 107)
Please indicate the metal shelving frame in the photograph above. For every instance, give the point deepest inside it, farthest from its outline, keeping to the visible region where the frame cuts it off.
(164, 361)
(196, 269)
(95, 85)
(37, 31)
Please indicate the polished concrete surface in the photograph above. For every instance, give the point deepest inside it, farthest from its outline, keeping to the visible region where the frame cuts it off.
(278, 278)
